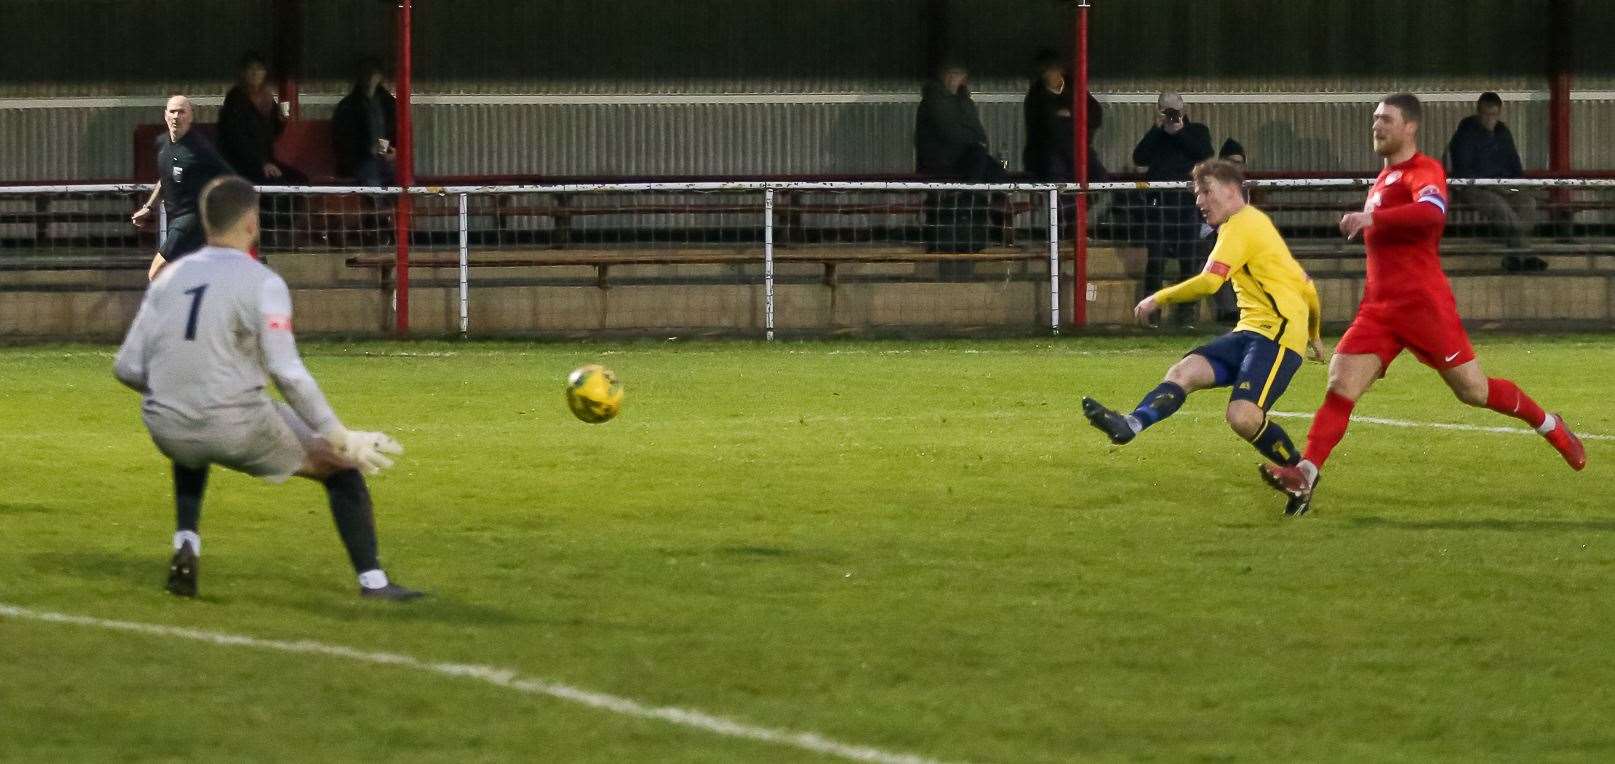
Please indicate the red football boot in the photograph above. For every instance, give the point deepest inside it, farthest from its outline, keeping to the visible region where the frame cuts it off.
(1567, 444)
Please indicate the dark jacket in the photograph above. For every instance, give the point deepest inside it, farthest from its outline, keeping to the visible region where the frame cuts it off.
(358, 121)
(1050, 143)
(945, 129)
(1475, 152)
(1171, 157)
(246, 135)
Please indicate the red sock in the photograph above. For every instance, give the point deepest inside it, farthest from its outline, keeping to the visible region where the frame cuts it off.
(1505, 397)
(1328, 426)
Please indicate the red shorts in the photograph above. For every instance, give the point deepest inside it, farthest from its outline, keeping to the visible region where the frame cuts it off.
(1435, 335)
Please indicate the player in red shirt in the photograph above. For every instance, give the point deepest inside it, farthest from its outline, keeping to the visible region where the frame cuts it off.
(1407, 304)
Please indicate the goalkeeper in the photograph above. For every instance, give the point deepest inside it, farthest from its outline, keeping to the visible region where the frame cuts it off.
(210, 329)
(1278, 322)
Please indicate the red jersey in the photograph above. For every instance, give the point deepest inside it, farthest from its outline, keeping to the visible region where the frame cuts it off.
(1404, 260)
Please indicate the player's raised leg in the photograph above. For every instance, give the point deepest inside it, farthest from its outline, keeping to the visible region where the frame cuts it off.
(189, 485)
(1191, 373)
(1473, 387)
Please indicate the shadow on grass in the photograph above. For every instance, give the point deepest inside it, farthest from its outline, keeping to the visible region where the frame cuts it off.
(310, 593)
(19, 508)
(434, 608)
(1507, 526)
(136, 569)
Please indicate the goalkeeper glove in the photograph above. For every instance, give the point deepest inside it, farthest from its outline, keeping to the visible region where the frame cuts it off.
(365, 450)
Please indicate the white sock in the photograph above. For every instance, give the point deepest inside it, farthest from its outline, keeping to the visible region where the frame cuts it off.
(1548, 423)
(373, 579)
(1310, 470)
(188, 537)
(1137, 426)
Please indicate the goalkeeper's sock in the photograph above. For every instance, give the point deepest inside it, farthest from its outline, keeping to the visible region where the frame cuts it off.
(1274, 443)
(1328, 426)
(189, 484)
(350, 507)
(1160, 403)
(1505, 397)
(181, 538)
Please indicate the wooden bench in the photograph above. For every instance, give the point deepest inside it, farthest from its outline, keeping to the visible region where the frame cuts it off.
(788, 213)
(76, 263)
(603, 260)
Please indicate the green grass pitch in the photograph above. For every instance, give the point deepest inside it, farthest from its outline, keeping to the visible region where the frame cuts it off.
(917, 547)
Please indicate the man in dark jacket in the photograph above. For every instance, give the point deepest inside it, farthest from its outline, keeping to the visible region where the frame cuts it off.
(360, 130)
(1050, 139)
(1483, 147)
(949, 141)
(1168, 152)
(950, 144)
(249, 122)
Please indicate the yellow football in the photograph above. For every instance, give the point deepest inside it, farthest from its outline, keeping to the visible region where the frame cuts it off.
(593, 393)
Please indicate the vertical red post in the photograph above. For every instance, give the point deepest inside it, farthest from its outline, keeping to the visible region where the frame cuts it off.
(406, 164)
(288, 52)
(1079, 228)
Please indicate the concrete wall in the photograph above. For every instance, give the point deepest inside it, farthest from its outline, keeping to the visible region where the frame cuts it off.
(332, 299)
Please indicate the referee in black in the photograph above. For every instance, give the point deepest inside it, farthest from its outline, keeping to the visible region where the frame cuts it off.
(186, 162)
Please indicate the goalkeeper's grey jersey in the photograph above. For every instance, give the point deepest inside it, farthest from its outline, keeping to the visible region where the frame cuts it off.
(211, 329)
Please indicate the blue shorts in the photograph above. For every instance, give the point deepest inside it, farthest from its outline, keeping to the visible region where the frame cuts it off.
(1258, 368)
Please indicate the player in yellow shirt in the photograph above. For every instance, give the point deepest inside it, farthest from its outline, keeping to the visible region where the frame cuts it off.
(1278, 322)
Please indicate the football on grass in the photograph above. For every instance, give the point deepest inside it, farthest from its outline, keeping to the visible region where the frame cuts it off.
(593, 393)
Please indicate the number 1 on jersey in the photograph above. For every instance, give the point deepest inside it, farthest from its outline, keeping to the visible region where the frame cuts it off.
(196, 307)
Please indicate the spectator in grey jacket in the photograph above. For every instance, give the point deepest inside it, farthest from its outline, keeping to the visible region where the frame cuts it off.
(1483, 147)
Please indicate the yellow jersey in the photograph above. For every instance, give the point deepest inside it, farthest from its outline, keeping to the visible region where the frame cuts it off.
(1276, 298)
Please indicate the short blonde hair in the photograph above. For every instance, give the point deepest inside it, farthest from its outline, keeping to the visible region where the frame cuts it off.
(1220, 170)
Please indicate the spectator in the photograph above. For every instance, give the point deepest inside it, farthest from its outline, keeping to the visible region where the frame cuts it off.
(951, 145)
(949, 141)
(1168, 152)
(1050, 136)
(186, 162)
(1483, 147)
(1232, 151)
(1226, 302)
(360, 130)
(249, 122)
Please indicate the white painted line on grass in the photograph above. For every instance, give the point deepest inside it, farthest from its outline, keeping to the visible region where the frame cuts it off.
(1437, 425)
(506, 678)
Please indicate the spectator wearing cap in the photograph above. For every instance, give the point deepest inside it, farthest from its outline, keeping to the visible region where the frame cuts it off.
(1168, 152)
(1483, 147)
(1226, 302)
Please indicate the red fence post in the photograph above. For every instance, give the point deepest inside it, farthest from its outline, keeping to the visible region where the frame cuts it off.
(406, 164)
(1079, 228)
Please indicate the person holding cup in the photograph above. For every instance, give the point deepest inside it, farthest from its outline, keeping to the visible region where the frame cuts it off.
(249, 122)
(360, 130)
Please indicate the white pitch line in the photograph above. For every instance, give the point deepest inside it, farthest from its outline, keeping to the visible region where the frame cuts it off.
(506, 678)
(1436, 425)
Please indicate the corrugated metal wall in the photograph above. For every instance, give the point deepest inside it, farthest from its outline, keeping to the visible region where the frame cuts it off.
(136, 47)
